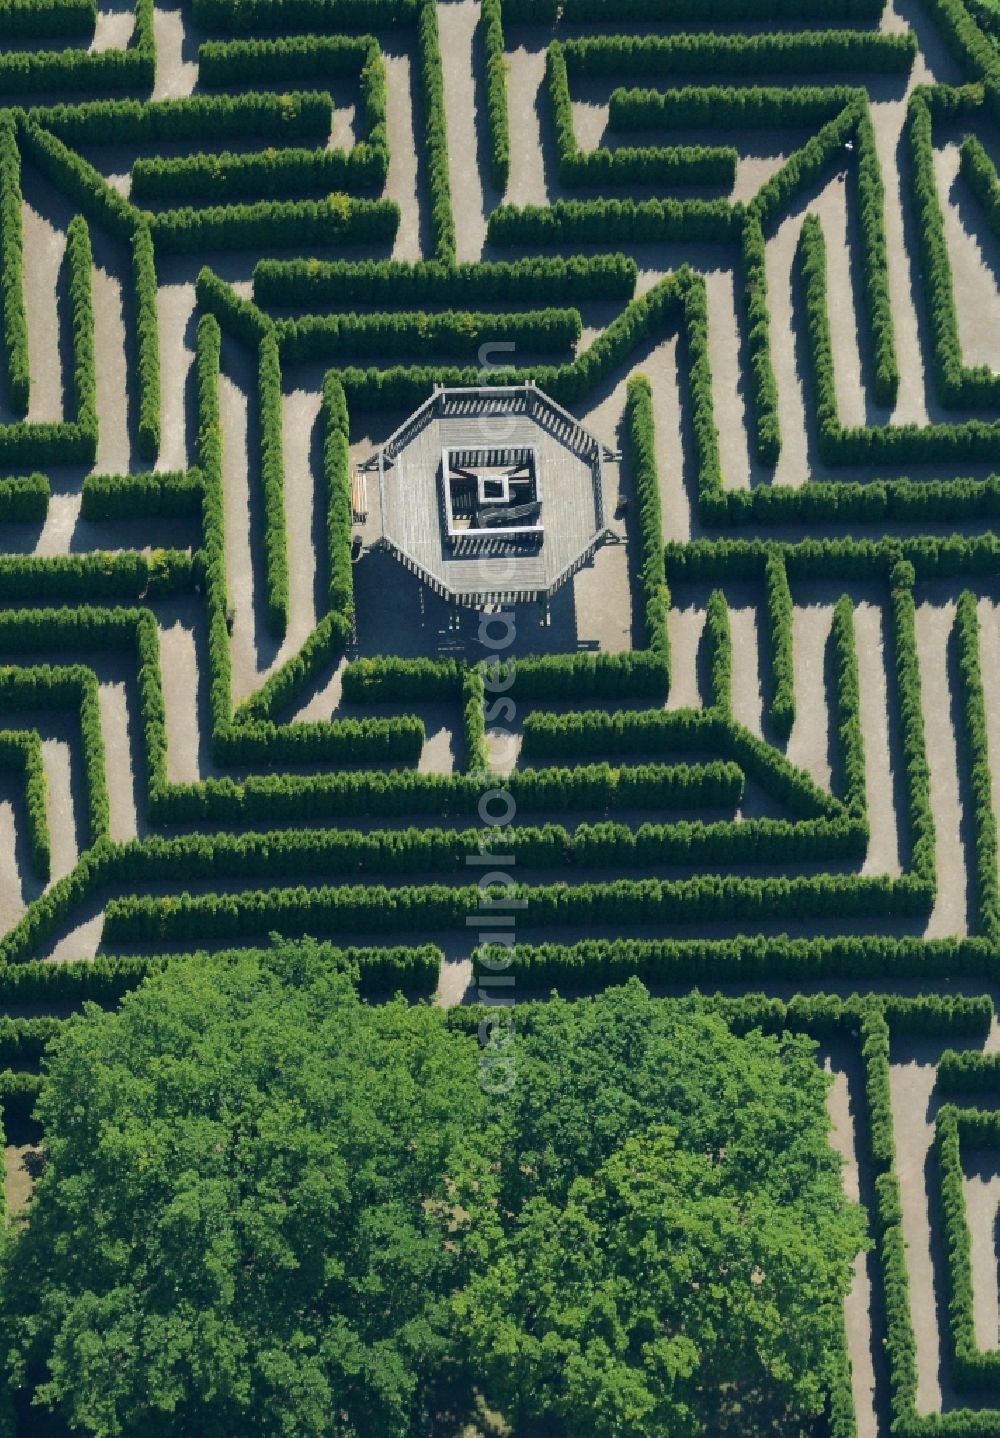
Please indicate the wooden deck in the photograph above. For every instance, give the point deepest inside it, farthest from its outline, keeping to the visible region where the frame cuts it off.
(413, 518)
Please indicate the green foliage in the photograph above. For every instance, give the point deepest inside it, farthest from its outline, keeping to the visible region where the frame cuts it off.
(719, 654)
(316, 283)
(272, 474)
(419, 333)
(403, 1180)
(21, 752)
(258, 115)
(333, 221)
(241, 175)
(980, 173)
(607, 1133)
(850, 738)
(875, 270)
(24, 498)
(436, 132)
(30, 72)
(672, 10)
(571, 222)
(37, 18)
(147, 327)
(779, 616)
(739, 107)
(975, 439)
(491, 30)
(80, 262)
(763, 385)
(748, 959)
(78, 179)
(957, 384)
(319, 15)
(676, 165)
(963, 1071)
(337, 493)
(477, 754)
(985, 881)
(646, 482)
(796, 51)
(15, 325)
(970, 1366)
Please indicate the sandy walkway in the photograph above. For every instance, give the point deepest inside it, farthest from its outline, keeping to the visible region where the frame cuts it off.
(402, 183)
(809, 741)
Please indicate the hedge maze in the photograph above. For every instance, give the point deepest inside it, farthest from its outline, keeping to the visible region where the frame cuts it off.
(752, 247)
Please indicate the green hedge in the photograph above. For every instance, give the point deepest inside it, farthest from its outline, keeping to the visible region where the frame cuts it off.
(243, 175)
(957, 384)
(333, 221)
(74, 687)
(15, 325)
(971, 1367)
(477, 754)
(800, 52)
(272, 474)
(315, 57)
(986, 886)
(975, 439)
(24, 498)
(674, 165)
(148, 336)
(436, 132)
(740, 107)
(979, 172)
(649, 516)
(547, 279)
(140, 496)
(607, 221)
(78, 179)
(850, 737)
(80, 262)
(374, 908)
(491, 31)
(251, 15)
(253, 114)
(779, 616)
(963, 1071)
(32, 72)
(674, 10)
(33, 19)
(21, 752)
(875, 269)
(337, 498)
(766, 431)
(748, 959)
(419, 333)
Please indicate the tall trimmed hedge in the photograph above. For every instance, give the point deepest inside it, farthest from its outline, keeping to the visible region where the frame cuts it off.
(15, 325)
(148, 333)
(491, 31)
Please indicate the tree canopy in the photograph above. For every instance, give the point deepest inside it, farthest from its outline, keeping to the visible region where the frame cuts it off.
(271, 1207)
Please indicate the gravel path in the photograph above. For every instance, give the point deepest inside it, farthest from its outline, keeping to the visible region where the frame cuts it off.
(457, 25)
(402, 181)
(809, 741)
